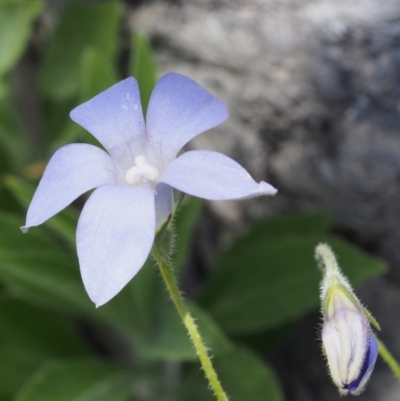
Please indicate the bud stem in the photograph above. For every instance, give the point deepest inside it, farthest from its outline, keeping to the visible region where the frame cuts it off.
(388, 358)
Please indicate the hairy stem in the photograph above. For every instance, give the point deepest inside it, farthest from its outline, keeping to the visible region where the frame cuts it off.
(191, 327)
(388, 358)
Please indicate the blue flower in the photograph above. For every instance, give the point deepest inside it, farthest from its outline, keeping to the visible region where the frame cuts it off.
(134, 178)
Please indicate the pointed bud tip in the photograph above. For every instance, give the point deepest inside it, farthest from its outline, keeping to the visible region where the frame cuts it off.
(24, 229)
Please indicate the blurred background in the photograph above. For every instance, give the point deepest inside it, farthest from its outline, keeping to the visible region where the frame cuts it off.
(313, 89)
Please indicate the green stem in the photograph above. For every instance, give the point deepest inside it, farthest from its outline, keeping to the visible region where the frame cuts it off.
(191, 327)
(388, 358)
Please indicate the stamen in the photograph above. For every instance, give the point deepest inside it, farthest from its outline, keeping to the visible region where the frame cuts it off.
(149, 172)
(141, 171)
(132, 176)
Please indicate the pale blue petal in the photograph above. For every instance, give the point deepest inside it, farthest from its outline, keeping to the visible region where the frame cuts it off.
(114, 237)
(115, 118)
(73, 170)
(213, 176)
(164, 202)
(179, 109)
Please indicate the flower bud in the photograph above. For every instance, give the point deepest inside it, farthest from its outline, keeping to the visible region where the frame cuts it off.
(348, 342)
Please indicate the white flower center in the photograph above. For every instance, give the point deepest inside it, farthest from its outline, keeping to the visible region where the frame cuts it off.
(141, 172)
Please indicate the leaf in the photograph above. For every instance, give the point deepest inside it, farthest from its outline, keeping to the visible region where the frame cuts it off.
(13, 140)
(243, 376)
(291, 223)
(185, 221)
(16, 20)
(97, 74)
(85, 380)
(48, 276)
(30, 337)
(80, 27)
(58, 127)
(140, 299)
(145, 294)
(142, 67)
(52, 280)
(45, 278)
(266, 282)
(171, 342)
(12, 239)
(267, 342)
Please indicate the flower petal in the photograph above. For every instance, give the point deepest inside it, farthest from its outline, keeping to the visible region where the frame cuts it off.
(164, 202)
(114, 237)
(115, 118)
(73, 170)
(213, 176)
(179, 109)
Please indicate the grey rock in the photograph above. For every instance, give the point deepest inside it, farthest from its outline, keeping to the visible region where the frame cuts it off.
(313, 88)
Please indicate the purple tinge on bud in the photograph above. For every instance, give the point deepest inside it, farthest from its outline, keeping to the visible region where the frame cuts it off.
(356, 386)
(350, 347)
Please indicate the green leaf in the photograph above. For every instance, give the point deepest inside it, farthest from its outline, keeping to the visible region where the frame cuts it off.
(58, 127)
(16, 19)
(80, 27)
(243, 376)
(85, 380)
(142, 67)
(291, 223)
(185, 221)
(14, 152)
(12, 239)
(141, 299)
(97, 74)
(64, 223)
(145, 294)
(30, 337)
(46, 278)
(52, 280)
(266, 342)
(47, 275)
(266, 282)
(171, 342)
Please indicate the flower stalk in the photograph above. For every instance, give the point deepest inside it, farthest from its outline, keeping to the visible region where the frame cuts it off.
(161, 253)
(388, 358)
